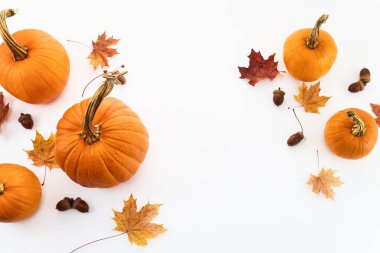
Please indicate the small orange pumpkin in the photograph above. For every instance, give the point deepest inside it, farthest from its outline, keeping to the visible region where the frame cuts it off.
(310, 53)
(351, 133)
(107, 153)
(20, 193)
(34, 66)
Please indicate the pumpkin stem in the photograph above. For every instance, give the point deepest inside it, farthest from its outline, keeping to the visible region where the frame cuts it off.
(2, 188)
(312, 42)
(19, 52)
(91, 133)
(358, 129)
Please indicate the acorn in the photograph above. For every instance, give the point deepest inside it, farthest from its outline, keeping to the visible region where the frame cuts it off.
(365, 76)
(294, 139)
(65, 204)
(356, 86)
(80, 205)
(122, 79)
(26, 120)
(278, 97)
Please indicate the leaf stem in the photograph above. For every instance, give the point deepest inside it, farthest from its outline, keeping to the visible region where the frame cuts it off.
(73, 41)
(318, 161)
(43, 181)
(297, 118)
(93, 79)
(101, 239)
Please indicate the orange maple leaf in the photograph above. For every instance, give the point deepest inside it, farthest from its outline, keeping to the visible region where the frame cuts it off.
(137, 224)
(324, 182)
(376, 111)
(259, 68)
(309, 97)
(101, 50)
(43, 152)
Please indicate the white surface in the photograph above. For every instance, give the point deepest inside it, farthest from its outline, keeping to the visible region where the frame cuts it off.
(218, 158)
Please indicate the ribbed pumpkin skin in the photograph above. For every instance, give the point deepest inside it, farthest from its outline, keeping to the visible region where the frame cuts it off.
(22, 194)
(111, 160)
(339, 139)
(40, 77)
(307, 64)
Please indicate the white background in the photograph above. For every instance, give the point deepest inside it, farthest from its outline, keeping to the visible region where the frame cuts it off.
(218, 159)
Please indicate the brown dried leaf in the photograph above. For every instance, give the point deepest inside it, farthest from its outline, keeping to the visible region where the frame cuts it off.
(310, 99)
(43, 152)
(324, 182)
(376, 111)
(259, 68)
(137, 224)
(3, 108)
(101, 50)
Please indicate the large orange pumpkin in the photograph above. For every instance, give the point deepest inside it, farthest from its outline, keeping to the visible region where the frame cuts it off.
(34, 66)
(351, 133)
(101, 142)
(310, 53)
(20, 193)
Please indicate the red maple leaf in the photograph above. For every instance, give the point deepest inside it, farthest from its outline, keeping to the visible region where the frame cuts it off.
(259, 68)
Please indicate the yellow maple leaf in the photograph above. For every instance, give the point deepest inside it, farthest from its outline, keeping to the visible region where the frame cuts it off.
(324, 182)
(310, 99)
(137, 224)
(101, 50)
(43, 152)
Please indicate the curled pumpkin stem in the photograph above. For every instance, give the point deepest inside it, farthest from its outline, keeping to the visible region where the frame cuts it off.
(19, 52)
(312, 42)
(91, 133)
(2, 188)
(358, 129)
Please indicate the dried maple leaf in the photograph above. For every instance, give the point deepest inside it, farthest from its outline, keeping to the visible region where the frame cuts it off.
(137, 224)
(324, 183)
(43, 152)
(101, 50)
(376, 111)
(3, 108)
(309, 98)
(259, 68)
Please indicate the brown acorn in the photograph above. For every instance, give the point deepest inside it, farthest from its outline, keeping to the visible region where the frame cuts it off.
(278, 97)
(65, 204)
(294, 139)
(26, 120)
(120, 78)
(356, 86)
(80, 205)
(365, 76)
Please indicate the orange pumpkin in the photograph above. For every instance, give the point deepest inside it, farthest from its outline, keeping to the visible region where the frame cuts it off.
(101, 142)
(310, 53)
(20, 193)
(34, 66)
(351, 133)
